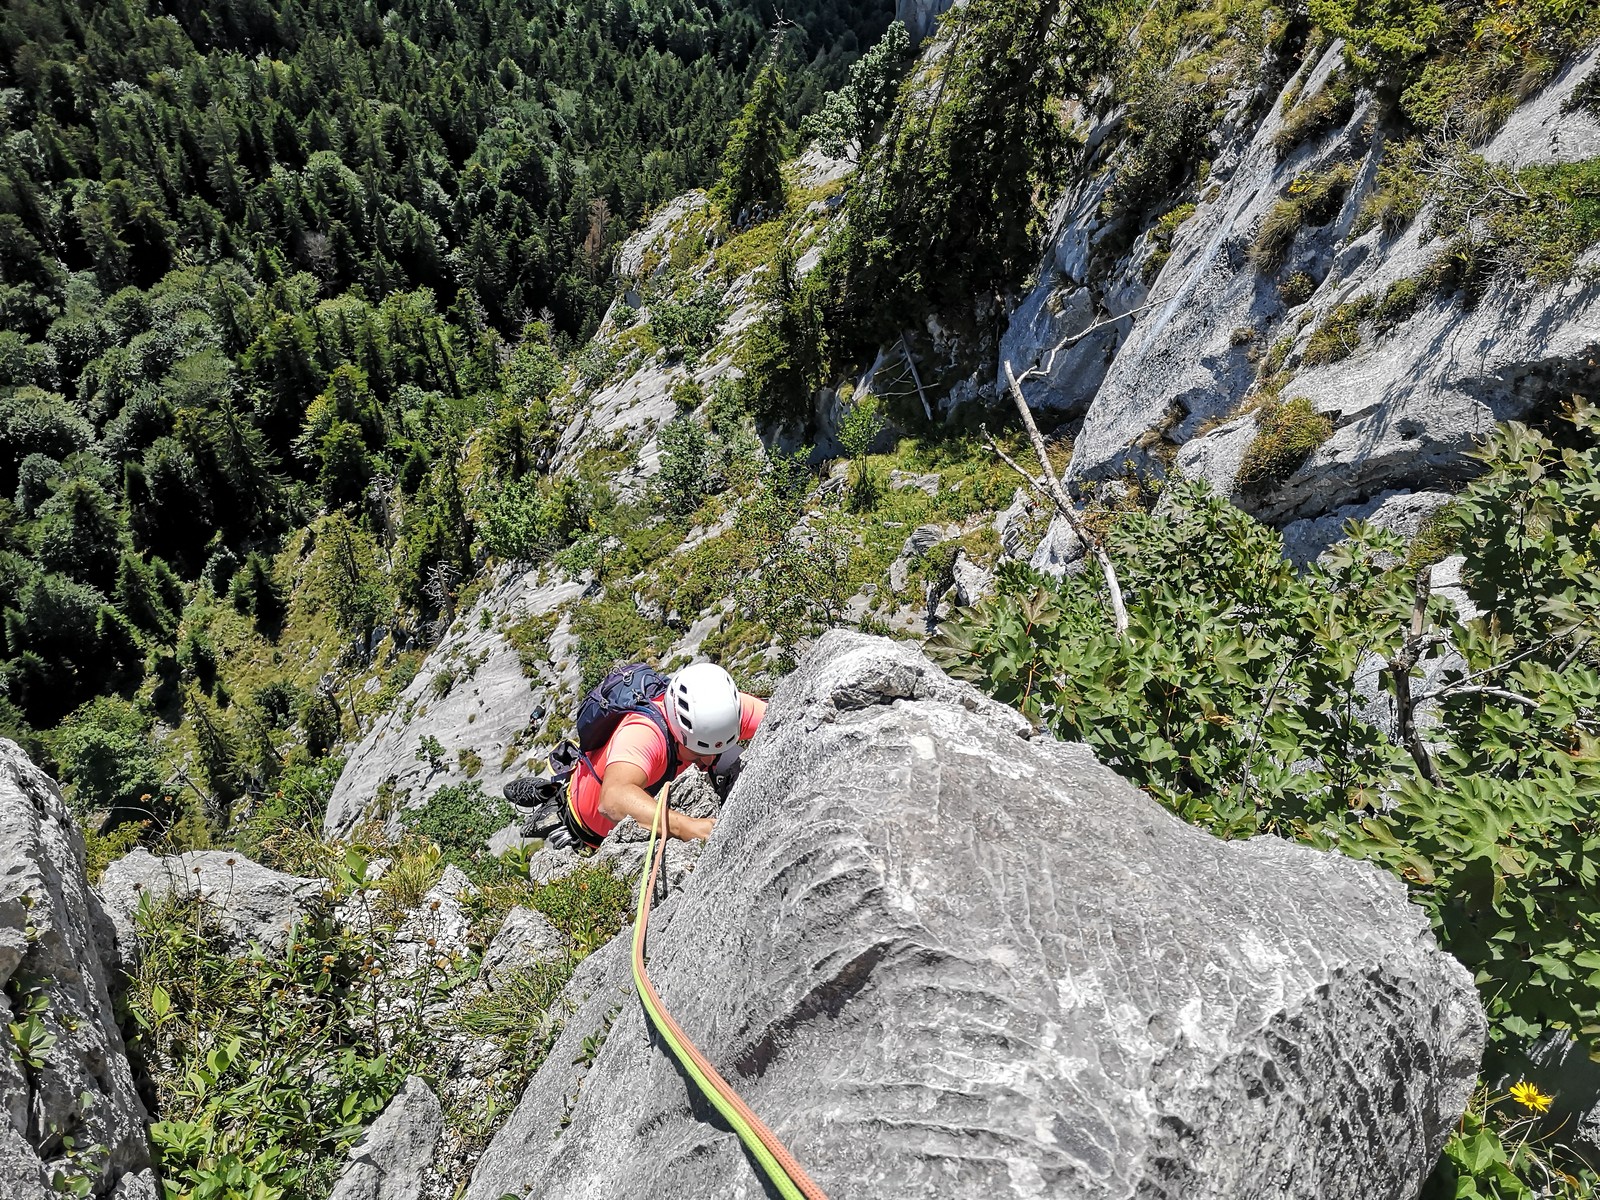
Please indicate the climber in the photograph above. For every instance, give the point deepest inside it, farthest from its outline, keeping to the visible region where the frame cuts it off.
(636, 731)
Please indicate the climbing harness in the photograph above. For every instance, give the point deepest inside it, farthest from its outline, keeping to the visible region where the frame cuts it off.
(776, 1162)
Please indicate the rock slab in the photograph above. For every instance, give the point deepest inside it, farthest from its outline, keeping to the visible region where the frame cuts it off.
(75, 1081)
(944, 959)
(392, 1157)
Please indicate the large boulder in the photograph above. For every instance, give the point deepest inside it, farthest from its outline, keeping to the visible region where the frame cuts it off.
(944, 958)
(72, 1079)
(391, 1160)
(253, 903)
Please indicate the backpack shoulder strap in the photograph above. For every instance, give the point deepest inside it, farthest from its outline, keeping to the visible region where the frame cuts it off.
(648, 709)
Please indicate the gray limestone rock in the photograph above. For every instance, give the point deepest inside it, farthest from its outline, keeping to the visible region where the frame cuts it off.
(53, 943)
(1060, 551)
(253, 903)
(1401, 512)
(1011, 526)
(971, 582)
(1217, 455)
(526, 939)
(473, 695)
(1413, 401)
(943, 960)
(391, 1160)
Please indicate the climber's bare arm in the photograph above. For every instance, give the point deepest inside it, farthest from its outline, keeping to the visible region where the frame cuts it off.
(622, 794)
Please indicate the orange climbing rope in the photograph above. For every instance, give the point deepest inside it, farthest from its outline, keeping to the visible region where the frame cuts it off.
(774, 1157)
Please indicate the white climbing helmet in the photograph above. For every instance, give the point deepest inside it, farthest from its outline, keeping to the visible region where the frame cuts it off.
(703, 708)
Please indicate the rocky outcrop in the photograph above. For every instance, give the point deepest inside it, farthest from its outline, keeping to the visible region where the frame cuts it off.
(919, 16)
(942, 957)
(67, 1102)
(252, 903)
(393, 1155)
(1161, 390)
(473, 695)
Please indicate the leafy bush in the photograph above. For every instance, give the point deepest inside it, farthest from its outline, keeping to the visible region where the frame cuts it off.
(1243, 717)
(459, 819)
(264, 1066)
(685, 477)
(685, 324)
(1286, 434)
(862, 423)
(105, 754)
(528, 520)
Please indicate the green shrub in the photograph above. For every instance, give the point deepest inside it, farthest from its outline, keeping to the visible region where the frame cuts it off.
(1329, 109)
(685, 477)
(1339, 334)
(459, 819)
(106, 756)
(1398, 192)
(1309, 200)
(1400, 299)
(1244, 718)
(1297, 289)
(684, 322)
(862, 423)
(1286, 434)
(263, 1066)
(687, 395)
(1533, 223)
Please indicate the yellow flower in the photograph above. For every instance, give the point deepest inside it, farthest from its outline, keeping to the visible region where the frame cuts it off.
(1530, 1097)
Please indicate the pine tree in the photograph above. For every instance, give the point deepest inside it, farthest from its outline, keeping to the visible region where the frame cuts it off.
(750, 174)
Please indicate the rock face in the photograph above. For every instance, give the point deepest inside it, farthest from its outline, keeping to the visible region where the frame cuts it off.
(252, 902)
(390, 1160)
(474, 695)
(74, 1080)
(1162, 389)
(942, 959)
(919, 16)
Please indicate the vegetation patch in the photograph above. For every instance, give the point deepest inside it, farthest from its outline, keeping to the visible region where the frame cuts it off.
(1339, 333)
(1310, 200)
(1330, 108)
(459, 819)
(1286, 434)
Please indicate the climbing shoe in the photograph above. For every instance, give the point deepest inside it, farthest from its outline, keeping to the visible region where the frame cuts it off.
(531, 793)
(543, 822)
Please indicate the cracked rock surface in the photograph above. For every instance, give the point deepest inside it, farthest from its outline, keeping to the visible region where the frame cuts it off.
(943, 958)
(54, 939)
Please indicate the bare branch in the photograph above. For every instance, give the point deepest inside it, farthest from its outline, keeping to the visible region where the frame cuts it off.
(1051, 486)
(1071, 339)
(1033, 480)
(1400, 667)
(1498, 694)
(905, 348)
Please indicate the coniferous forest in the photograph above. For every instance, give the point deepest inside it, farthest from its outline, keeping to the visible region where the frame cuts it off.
(257, 258)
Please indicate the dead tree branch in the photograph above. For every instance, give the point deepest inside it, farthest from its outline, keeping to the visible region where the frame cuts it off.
(905, 348)
(1050, 484)
(1400, 667)
(1073, 338)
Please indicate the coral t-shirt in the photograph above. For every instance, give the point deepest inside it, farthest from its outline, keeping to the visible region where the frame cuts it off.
(639, 740)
